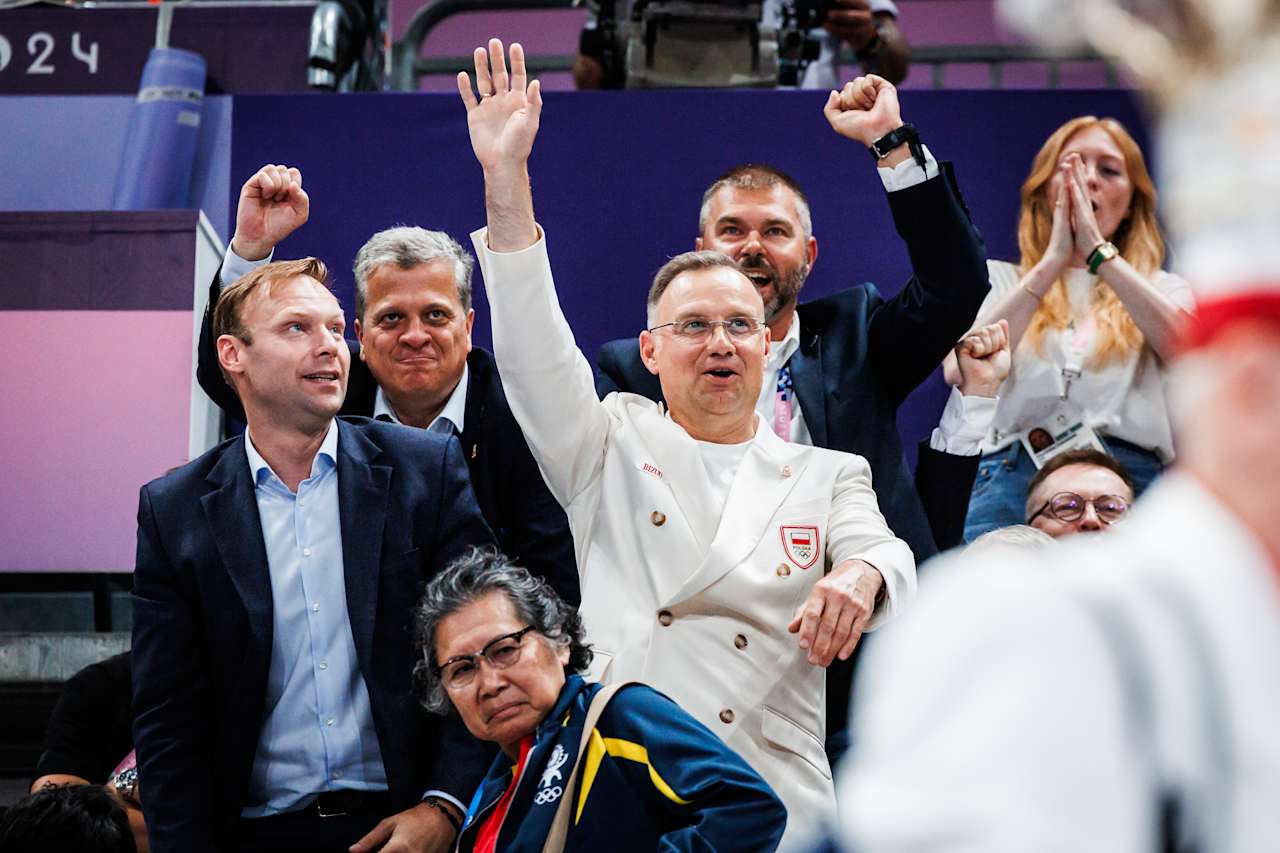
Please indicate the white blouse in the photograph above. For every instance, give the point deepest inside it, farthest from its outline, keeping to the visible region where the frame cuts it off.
(1124, 399)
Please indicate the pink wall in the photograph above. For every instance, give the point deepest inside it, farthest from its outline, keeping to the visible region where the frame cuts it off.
(96, 404)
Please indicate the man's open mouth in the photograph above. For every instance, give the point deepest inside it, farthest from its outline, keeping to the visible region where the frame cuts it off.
(721, 372)
(322, 376)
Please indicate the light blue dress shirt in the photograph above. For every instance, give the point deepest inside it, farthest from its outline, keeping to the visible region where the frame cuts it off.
(317, 734)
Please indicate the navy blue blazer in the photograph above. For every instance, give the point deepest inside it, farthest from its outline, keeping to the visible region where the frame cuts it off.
(530, 525)
(653, 778)
(860, 355)
(203, 622)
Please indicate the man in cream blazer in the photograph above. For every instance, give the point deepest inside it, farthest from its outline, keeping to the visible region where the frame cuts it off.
(719, 564)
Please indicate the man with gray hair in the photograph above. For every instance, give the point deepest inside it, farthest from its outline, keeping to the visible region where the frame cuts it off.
(412, 363)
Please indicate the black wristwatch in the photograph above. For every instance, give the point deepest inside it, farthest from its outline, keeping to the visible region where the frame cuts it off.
(905, 135)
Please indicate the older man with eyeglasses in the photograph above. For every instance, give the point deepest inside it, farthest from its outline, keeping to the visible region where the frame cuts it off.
(719, 564)
(1080, 491)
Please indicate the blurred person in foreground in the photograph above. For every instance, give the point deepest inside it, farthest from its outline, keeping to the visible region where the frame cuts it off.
(1126, 699)
(1091, 318)
(66, 818)
(504, 652)
(719, 563)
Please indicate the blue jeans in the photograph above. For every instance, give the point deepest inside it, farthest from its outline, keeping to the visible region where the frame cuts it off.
(1000, 490)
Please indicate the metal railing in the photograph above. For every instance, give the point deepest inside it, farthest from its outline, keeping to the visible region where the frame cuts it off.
(407, 66)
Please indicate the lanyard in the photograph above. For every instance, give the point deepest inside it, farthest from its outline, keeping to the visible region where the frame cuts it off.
(782, 404)
(1079, 342)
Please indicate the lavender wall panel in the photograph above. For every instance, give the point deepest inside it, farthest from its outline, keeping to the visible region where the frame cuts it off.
(95, 405)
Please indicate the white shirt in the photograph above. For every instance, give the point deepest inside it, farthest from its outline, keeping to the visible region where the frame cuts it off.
(722, 462)
(454, 411)
(1126, 398)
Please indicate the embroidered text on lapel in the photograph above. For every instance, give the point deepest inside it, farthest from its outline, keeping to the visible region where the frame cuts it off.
(801, 544)
(649, 468)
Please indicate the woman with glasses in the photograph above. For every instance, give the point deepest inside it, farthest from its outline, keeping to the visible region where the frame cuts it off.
(1091, 317)
(501, 649)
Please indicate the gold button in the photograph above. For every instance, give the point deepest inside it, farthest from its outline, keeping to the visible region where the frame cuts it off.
(740, 641)
(786, 470)
(783, 570)
(658, 518)
(726, 716)
(665, 617)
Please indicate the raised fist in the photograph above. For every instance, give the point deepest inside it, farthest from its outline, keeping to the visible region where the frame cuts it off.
(272, 206)
(983, 360)
(864, 110)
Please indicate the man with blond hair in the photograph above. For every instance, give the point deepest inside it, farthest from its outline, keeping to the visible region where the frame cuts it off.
(272, 594)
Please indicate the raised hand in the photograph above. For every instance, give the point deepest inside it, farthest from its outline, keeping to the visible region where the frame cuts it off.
(272, 206)
(503, 121)
(864, 110)
(1061, 248)
(983, 360)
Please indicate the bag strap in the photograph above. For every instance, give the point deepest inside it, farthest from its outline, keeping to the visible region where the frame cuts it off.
(560, 823)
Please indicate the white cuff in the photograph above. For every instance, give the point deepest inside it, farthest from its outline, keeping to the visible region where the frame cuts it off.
(234, 266)
(965, 422)
(908, 173)
(480, 240)
(448, 798)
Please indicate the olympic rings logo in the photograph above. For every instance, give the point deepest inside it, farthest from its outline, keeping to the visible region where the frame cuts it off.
(548, 795)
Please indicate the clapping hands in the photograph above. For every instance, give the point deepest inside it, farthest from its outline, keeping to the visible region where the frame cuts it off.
(1075, 233)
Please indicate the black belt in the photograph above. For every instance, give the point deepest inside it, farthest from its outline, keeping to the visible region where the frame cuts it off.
(335, 803)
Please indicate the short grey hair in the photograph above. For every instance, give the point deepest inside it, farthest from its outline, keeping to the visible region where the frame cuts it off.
(756, 176)
(1022, 536)
(472, 576)
(680, 264)
(408, 246)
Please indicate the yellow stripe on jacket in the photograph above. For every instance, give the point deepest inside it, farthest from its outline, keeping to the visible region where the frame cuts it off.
(598, 747)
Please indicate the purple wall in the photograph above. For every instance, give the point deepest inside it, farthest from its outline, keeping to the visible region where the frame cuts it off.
(617, 177)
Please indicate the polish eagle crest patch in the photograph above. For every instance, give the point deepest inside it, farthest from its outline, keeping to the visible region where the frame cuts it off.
(801, 544)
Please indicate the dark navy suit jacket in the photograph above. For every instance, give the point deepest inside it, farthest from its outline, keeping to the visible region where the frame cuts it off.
(860, 355)
(203, 623)
(530, 525)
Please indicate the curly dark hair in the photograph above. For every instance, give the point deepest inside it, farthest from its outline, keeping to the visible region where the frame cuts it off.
(473, 575)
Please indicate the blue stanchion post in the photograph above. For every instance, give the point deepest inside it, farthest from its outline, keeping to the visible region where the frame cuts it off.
(155, 172)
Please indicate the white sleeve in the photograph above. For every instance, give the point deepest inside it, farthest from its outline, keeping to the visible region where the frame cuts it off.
(547, 380)
(965, 421)
(884, 6)
(856, 530)
(908, 173)
(234, 266)
(991, 719)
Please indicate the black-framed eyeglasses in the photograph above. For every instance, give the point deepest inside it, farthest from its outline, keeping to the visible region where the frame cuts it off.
(500, 652)
(1068, 507)
(697, 329)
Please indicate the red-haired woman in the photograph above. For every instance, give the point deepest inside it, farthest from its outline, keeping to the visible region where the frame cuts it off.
(1091, 316)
